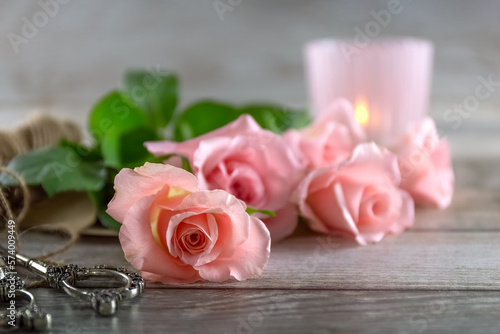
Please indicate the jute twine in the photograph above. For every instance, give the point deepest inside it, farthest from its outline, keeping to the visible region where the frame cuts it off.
(39, 130)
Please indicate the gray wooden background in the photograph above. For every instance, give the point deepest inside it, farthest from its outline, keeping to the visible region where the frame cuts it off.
(439, 277)
(254, 53)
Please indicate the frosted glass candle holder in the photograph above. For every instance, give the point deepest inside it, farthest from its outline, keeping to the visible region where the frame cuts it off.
(388, 81)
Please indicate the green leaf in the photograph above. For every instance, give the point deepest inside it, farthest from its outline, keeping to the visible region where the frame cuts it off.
(121, 128)
(207, 116)
(299, 119)
(130, 149)
(86, 153)
(108, 221)
(154, 92)
(203, 117)
(269, 213)
(276, 118)
(113, 114)
(186, 165)
(57, 169)
(101, 199)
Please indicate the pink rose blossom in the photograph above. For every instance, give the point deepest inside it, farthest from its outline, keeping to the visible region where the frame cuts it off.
(359, 198)
(253, 164)
(425, 164)
(330, 139)
(176, 233)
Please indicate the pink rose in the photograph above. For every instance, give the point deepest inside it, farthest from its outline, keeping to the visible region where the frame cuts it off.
(176, 233)
(330, 139)
(253, 164)
(359, 198)
(425, 164)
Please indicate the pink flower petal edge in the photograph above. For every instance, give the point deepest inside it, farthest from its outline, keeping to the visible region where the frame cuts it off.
(175, 233)
(359, 199)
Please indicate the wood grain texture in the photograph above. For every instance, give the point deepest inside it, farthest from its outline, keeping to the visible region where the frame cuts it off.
(441, 276)
(476, 202)
(312, 284)
(224, 311)
(413, 260)
(255, 52)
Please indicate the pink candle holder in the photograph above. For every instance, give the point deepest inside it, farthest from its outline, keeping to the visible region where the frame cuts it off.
(388, 81)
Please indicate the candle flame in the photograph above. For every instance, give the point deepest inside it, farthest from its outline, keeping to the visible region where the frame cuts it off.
(361, 112)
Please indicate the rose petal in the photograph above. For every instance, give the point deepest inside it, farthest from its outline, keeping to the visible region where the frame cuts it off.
(244, 123)
(322, 206)
(283, 224)
(407, 216)
(359, 199)
(248, 259)
(383, 165)
(242, 158)
(330, 139)
(272, 168)
(375, 205)
(342, 111)
(316, 148)
(247, 185)
(142, 251)
(232, 231)
(178, 225)
(300, 196)
(425, 162)
(433, 185)
(132, 185)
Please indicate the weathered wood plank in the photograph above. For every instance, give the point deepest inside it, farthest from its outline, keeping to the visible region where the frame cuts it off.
(475, 205)
(410, 261)
(223, 311)
(451, 249)
(472, 209)
(477, 173)
(413, 260)
(319, 284)
(476, 202)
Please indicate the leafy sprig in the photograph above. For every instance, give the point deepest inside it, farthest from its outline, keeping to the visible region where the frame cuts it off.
(120, 123)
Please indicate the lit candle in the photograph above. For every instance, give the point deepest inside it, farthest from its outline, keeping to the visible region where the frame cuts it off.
(388, 81)
(361, 112)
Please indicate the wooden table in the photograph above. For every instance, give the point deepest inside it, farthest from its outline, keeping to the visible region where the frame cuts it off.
(441, 276)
